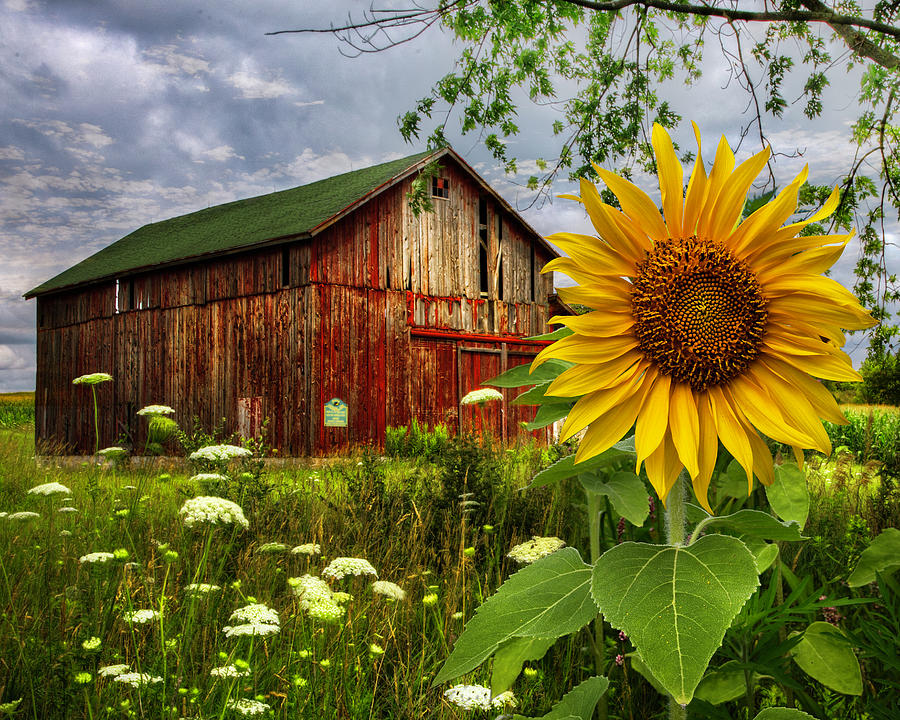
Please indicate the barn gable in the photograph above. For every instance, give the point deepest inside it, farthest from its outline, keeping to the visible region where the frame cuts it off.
(272, 306)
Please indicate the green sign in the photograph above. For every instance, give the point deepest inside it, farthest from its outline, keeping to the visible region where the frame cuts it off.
(336, 413)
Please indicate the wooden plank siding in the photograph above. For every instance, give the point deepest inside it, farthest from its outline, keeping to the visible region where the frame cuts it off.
(240, 336)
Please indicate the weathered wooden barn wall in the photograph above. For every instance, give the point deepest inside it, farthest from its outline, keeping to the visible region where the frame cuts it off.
(383, 310)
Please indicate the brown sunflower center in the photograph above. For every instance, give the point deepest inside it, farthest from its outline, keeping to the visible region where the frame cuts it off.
(699, 313)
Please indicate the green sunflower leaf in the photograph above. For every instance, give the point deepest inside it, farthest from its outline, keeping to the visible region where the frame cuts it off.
(783, 714)
(825, 654)
(723, 684)
(621, 452)
(675, 603)
(520, 375)
(548, 414)
(508, 660)
(578, 703)
(538, 396)
(754, 523)
(549, 598)
(625, 491)
(788, 495)
(557, 334)
(883, 556)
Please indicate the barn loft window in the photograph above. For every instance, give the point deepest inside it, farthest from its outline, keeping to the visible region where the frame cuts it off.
(440, 187)
(125, 295)
(483, 246)
(285, 266)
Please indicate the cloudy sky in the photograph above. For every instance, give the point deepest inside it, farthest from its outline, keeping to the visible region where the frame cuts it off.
(117, 113)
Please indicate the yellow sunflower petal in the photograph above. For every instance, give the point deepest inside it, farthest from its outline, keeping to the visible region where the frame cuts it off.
(696, 191)
(764, 413)
(636, 204)
(819, 285)
(600, 402)
(823, 212)
(684, 426)
(630, 245)
(827, 367)
(721, 170)
(663, 468)
(582, 379)
(816, 311)
(578, 349)
(671, 180)
(599, 294)
(759, 227)
(798, 455)
(653, 420)
(794, 327)
(763, 467)
(731, 430)
(593, 253)
(822, 400)
(814, 261)
(603, 435)
(731, 199)
(598, 323)
(708, 447)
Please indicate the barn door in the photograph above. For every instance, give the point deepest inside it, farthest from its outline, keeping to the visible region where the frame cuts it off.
(475, 364)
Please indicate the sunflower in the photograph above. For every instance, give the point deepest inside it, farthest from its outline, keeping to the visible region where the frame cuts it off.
(702, 329)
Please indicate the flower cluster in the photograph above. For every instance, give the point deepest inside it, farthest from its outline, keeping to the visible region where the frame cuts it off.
(271, 547)
(214, 510)
(113, 453)
(201, 588)
(229, 671)
(113, 670)
(254, 619)
(23, 515)
(316, 598)
(535, 549)
(92, 379)
(136, 679)
(307, 549)
(388, 589)
(156, 410)
(220, 453)
(96, 557)
(340, 567)
(50, 488)
(481, 396)
(247, 707)
(141, 617)
(208, 478)
(478, 697)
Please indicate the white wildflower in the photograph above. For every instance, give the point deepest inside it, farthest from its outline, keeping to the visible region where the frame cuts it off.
(247, 707)
(259, 629)
(342, 566)
(480, 396)
(478, 697)
(201, 588)
(214, 510)
(388, 589)
(310, 589)
(23, 515)
(65, 533)
(325, 610)
(208, 478)
(136, 679)
(92, 379)
(307, 549)
(256, 613)
(113, 453)
(156, 410)
(141, 617)
(112, 670)
(3, 514)
(50, 488)
(271, 547)
(219, 453)
(535, 549)
(96, 557)
(229, 671)
(67, 509)
(92, 643)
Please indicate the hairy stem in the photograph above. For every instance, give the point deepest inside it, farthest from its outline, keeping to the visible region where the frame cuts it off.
(594, 527)
(675, 536)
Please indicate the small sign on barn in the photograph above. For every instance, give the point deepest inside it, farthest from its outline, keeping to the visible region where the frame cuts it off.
(335, 413)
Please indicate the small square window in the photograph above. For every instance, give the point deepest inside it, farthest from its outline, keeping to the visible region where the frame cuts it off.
(440, 187)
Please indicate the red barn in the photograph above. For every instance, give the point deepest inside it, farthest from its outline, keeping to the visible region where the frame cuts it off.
(274, 306)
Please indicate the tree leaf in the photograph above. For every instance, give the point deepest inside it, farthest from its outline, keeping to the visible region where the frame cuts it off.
(675, 603)
(520, 374)
(508, 660)
(548, 414)
(753, 523)
(566, 467)
(780, 713)
(825, 654)
(625, 491)
(788, 495)
(882, 556)
(578, 703)
(548, 598)
(723, 684)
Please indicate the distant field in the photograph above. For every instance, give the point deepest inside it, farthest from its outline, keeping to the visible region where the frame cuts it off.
(16, 409)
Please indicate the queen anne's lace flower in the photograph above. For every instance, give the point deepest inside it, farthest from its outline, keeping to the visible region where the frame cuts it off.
(388, 589)
(67, 509)
(307, 549)
(112, 670)
(156, 410)
(213, 510)
(229, 671)
(201, 588)
(92, 379)
(96, 557)
(141, 617)
(271, 547)
(208, 477)
(219, 453)
(247, 707)
(136, 679)
(535, 549)
(325, 610)
(23, 515)
(342, 566)
(478, 697)
(50, 488)
(482, 395)
(309, 589)
(113, 453)
(256, 613)
(260, 629)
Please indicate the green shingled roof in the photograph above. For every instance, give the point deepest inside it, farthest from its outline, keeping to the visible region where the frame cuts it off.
(232, 226)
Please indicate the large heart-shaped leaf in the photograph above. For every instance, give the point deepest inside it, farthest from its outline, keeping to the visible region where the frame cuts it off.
(625, 491)
(783, 714)
(508, 660)
(788, 495)
(566, 467)
(754, 523)
(548, 414)
(723, 684)
(883, 555)
(538, 396)
(549, 598)
(675, 602)
(825, 654)
(521, 374)
(578, 703)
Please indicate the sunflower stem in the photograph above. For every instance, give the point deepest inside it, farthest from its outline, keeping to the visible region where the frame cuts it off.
(594, 528)
(675, 536)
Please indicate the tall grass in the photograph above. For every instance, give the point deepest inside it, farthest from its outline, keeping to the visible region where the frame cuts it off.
(872, 432)
(16, 410)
